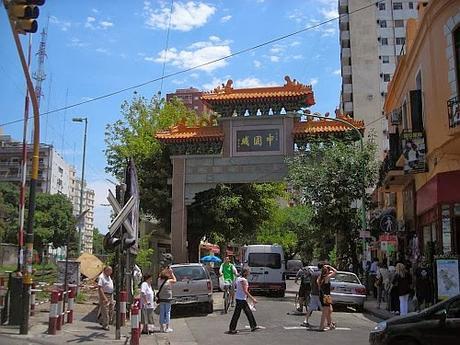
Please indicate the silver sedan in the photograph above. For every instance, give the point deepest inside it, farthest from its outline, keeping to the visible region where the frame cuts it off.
(346, 289)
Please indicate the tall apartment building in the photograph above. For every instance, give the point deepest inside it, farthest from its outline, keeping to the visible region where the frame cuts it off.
(88, 204)
(191, 97)
(55, 175)
(371, 41)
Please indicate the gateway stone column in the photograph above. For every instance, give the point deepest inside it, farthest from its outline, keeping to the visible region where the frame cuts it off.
(178, 212)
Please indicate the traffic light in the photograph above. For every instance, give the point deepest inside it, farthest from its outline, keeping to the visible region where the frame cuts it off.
(23, 14)
(111, 242)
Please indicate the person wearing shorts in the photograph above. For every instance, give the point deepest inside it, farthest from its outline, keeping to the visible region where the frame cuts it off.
(305, 287)
(314, 303)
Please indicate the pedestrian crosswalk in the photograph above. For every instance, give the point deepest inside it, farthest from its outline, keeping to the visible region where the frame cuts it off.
(313, 329)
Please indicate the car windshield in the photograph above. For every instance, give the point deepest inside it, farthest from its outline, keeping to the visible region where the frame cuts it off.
(270, 260)
(189, 273)
(346, 278)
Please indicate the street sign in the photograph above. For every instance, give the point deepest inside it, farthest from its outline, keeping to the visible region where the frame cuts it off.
(117, 208)
(122, 216)
(365, 234)
(388, 223)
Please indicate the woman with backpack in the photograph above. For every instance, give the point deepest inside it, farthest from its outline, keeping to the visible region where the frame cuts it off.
(164, 298)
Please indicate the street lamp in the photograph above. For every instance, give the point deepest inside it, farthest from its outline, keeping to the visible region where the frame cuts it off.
(81, 223)
(363, 168)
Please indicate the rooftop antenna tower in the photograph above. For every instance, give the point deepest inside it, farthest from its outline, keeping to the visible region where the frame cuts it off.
(39, 75)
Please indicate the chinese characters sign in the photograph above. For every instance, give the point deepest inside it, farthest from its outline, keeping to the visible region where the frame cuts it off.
(413, 150)
(257, 140)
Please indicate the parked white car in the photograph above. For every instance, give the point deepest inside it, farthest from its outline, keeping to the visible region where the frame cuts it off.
(346, 289)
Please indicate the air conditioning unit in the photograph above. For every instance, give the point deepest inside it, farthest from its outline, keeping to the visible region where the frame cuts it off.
(382, 94)
(381, 75)
(380, 57)
(378, 21)
(378, 39)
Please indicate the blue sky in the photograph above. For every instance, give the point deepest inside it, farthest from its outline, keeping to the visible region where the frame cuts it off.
(98, 47)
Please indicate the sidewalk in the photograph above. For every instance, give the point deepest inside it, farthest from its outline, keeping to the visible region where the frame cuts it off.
(370, 307)
(84, 329)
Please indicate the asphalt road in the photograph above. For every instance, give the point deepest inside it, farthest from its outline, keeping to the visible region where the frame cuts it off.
(281, 326)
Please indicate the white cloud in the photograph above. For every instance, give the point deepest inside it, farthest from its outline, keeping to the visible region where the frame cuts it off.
(105, 24)
(295, 44)
(62, 24)
(184, 16)
(225, 19)
(93, 24)
(329, 13)
(313, 81)
(196, 54)
(336, 72)
(194, 75)
(297, 57)
(95, 10)
(257, 63)
(274, 58)
(77, 43)
(102, 51)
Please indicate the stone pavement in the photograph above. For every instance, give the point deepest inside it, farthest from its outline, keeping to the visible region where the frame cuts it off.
(85, 329)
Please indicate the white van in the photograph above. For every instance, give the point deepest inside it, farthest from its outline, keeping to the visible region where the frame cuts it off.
(266, 263)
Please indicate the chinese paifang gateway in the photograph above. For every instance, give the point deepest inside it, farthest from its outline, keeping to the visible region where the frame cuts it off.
(245, 140)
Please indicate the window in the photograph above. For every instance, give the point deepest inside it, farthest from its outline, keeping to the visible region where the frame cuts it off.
(270, 260)
(404, 115)
(382, 6)
(411, 5)
(400, 41)
(346, 278)
(383, 23)
(61, 170)
(457, 55)
(386, 77)
(385, 59)
(399, 23)
(446, 230)
(397, 6)
(189, 273)
(384, 41)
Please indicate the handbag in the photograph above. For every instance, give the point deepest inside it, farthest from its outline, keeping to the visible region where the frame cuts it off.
(327, 299)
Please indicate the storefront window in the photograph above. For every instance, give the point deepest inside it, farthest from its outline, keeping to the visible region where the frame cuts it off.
(446, 230)
(426, 235)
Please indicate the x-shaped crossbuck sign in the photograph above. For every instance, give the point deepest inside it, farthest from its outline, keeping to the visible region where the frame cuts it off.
(122, 214)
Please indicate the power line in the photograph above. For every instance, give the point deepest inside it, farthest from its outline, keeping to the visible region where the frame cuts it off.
(166, 47)
(246, 50)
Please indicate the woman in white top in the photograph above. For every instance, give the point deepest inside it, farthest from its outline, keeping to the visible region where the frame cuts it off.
(147, 304)
(241, 295)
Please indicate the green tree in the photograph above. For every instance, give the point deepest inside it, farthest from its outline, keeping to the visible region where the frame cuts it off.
(230, 212)
(329, 178)
(134, 137)
(98, 238)
(54, 221)
(291, 228)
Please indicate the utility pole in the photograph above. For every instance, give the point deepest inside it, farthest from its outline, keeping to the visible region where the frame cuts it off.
(22, 20)
(82, 186)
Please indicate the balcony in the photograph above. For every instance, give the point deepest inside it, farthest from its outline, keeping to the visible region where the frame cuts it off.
(453, 112)
(347, 88)
(346, 70)
(344, 36)
(343, 6)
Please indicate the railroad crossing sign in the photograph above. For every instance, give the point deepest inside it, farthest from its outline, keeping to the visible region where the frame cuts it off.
(388, 223)
(122, 214)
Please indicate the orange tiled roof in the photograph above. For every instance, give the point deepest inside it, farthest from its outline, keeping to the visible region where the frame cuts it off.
(324, 126)
(290, 89)
(182, 133)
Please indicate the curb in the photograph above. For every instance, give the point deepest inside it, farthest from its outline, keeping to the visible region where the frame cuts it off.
(379, 313)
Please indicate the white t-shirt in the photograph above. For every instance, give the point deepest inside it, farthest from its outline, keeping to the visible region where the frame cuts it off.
(240, 294)
(147, 291)
(106, 283)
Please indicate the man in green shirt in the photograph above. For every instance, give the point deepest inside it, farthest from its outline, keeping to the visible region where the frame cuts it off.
(229, 273)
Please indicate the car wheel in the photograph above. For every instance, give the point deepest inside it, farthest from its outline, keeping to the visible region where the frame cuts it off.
(280, 293)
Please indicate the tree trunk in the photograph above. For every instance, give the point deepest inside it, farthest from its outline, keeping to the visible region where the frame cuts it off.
(193, 246)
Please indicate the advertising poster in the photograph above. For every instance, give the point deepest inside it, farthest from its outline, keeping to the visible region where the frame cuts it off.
(447, 278)
(413, 150)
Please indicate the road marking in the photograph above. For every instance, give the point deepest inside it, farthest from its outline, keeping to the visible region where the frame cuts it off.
(313, 329)
(260, 327)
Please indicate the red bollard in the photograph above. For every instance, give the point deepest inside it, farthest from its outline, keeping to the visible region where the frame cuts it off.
(137, 302)
(3, 291)
(123, 300)
(32, 300)
(59, 307)
(71, 304)
(135, 331)
(52, 323)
